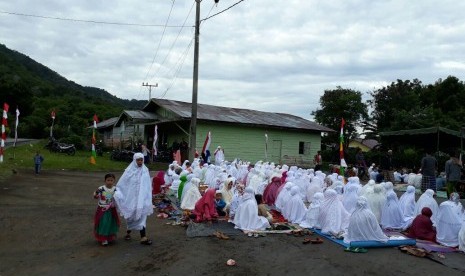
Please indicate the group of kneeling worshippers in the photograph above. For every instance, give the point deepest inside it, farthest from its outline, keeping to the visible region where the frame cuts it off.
(351, 211)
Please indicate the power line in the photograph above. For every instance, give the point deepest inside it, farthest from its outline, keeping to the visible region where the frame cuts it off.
(181, 61)
(90, 21)
(174, 42)
(208, 17)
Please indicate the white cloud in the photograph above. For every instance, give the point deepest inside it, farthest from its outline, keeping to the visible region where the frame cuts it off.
(275, 56)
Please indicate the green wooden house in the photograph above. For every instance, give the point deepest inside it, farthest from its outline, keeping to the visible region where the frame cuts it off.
(240, 132)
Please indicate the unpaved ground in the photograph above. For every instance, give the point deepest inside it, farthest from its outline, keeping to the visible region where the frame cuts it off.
(46, 229)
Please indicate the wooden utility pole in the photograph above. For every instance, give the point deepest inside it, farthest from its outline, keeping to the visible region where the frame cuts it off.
(193, 127)
(150, 88)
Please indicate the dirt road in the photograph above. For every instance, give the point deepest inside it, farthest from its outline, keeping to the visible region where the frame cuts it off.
(46, 229)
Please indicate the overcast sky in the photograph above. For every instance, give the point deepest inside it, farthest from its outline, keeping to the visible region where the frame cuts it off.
(276, 56)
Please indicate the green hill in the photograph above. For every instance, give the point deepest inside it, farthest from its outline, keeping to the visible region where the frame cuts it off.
(37, 90)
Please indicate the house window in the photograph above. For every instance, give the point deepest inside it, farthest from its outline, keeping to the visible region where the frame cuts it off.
(304, 148)
(301, 147)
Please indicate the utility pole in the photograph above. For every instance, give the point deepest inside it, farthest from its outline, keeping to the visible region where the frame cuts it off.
(150, 88)
(193, 128)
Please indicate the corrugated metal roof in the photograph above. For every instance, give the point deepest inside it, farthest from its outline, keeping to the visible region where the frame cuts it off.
(107, 123)
(239, 115)
(140, 115)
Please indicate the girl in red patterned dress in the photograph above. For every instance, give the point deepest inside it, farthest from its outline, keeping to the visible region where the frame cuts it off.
(106, 221)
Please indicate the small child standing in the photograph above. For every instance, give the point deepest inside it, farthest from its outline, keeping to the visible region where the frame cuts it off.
(106, 221)
(38, 159)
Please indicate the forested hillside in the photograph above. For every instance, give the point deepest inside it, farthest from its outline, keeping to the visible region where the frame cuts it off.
(37, 90)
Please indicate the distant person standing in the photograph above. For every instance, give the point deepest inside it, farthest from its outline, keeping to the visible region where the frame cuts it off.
(146, 152)
(184, 148)
(219, 155)
(386, 167)
(318, 161)
(453, 168)
(361, 164)
(429, 166)
(38, 160)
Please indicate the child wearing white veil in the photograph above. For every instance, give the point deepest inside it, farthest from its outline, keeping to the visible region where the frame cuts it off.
(311, 218)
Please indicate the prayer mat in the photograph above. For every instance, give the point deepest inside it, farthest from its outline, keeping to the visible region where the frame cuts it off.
(427, 245)
(393, 241)
(279, 228)
(277, 216)
(207, 230)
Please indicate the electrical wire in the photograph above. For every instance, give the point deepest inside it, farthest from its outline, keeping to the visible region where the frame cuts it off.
(220, 12)
(90, 21)
(174, 42)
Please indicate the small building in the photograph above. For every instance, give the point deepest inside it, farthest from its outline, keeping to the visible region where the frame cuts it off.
(240, 132)
(364, 144)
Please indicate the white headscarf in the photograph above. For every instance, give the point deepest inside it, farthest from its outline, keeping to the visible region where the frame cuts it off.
(133, 194)
(368, 188)
(313, 212)
(376, 201)
(448, 224)
(427, 200)
(391, 215)
(350, 197)
(363, 225)
(294, 210)
(333, 216)
(191, 195)
(407, 206)
(246, 216)
(283, 196)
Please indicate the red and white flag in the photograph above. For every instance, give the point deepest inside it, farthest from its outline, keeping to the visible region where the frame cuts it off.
(4, 124)
(206, 144)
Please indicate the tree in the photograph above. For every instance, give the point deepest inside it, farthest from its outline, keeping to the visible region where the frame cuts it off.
(341, 103)
(394, 103)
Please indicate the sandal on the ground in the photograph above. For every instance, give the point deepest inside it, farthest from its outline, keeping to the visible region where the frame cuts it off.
(104, 243)
(316, 241)
(307, 241)
(356, 250)
(127, 237)
(146, 241)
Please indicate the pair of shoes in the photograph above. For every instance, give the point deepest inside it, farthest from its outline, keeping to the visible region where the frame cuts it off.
(415, 251)
(356, 250)
(145, 241)
(250, 234)
(307, 241)
(316, 241)
(104, 243)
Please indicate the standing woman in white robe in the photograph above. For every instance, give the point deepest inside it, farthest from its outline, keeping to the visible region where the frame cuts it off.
(246, 217)
(363, 225)
(133, 197)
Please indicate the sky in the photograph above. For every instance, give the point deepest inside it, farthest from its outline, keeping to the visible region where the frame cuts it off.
(275, 56)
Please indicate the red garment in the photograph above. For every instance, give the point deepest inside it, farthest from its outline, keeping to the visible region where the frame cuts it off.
(98, 215)
(422, 226)
(284, 176)
(205, 208)
(157, 182)
(271, 191)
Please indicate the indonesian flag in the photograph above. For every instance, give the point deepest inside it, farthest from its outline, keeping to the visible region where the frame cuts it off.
(155, 138)
(4, 124)
(206, 144)
(341, 148)
(94, 152)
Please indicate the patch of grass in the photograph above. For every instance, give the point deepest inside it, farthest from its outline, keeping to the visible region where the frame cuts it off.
(22, 158)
